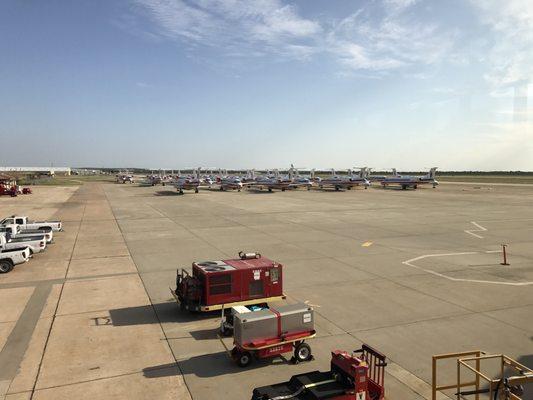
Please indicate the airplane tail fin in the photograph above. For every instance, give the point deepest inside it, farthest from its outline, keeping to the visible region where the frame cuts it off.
(432, 173)
(313, 173)
(394, 172)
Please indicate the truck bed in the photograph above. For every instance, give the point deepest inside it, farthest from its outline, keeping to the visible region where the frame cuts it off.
(329, 390)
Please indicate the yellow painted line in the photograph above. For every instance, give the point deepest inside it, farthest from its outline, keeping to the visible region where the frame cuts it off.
(367, 244)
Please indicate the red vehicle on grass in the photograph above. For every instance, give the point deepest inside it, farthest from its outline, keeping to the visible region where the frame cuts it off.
(214, 285)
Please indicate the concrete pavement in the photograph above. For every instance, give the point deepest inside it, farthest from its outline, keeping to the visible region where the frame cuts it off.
(93, 316)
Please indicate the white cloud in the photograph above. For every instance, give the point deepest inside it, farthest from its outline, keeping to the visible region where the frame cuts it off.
(398, 5)
(373, 39)
(234, 24)
(511, 51)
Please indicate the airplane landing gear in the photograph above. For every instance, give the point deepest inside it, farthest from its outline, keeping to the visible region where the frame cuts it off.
(195, 190)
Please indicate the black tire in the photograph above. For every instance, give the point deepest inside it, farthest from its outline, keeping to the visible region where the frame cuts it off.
(226, 331)
(5, 266)
(404, 187)
(196, 190)
(415, 186)
(244, 359)
(302, 352)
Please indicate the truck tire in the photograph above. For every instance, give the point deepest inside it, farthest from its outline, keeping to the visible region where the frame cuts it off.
(5, 266)
(244, 359)
(227, 331)
(302, 352)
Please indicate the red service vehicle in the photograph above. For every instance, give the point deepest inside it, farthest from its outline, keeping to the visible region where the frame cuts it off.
(272, 332)
(213, 285)
(9, 191)
(358, 376)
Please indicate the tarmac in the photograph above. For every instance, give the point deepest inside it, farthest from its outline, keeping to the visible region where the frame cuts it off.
(411, 273)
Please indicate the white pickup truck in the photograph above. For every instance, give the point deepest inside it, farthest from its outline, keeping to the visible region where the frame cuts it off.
(12, 257)
(35, 243)
(16, 232)
(26, 223)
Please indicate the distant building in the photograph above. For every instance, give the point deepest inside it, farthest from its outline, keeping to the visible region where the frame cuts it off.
(7, 181)
(50, 171)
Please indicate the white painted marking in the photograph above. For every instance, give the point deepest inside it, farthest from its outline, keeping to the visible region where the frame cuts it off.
(429, 271)
(480, 229)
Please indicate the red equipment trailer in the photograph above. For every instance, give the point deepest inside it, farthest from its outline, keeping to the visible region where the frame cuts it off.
(213, 285)
(358, 376)
(272, 332)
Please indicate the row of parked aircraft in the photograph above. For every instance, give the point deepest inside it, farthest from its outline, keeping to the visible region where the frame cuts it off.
(274, 180)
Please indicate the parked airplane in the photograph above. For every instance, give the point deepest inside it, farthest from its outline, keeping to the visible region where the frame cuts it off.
(229, 182)
(189, 182)
(123, 177)
(159, 179)
(380, 178)
(406, 182)
(345, 181)
(277, 181)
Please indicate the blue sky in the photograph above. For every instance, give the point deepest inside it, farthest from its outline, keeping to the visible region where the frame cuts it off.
(244, 83)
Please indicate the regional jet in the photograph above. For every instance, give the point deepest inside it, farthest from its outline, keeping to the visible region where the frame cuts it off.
(406, 182)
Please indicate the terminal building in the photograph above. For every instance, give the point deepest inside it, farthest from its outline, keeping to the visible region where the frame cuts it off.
(50, 171)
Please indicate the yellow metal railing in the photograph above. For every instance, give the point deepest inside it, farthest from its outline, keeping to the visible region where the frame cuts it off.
(465, 359)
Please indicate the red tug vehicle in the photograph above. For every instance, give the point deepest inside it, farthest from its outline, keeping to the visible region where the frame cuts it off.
(351, 377)
(215, 285)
